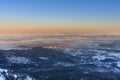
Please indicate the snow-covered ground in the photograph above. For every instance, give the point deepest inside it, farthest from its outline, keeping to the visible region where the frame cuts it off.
(42, 57)
(6, 74)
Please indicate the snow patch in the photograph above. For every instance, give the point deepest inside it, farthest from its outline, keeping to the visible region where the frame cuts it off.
(1, 76)
(114, 55)
(17, 60)
(44, 58)
(65, 64)
(72, 52)
(28, 78)
(100, 51)
(99, 57)
(118, 64)
(8, 73)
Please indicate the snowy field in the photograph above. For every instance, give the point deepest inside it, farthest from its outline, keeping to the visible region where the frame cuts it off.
(59, 56)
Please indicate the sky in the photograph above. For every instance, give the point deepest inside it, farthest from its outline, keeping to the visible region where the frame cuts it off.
(59, 16)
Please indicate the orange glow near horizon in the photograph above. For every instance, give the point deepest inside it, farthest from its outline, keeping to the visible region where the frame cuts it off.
(60, 16)
(25, 28)
(31, 28)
